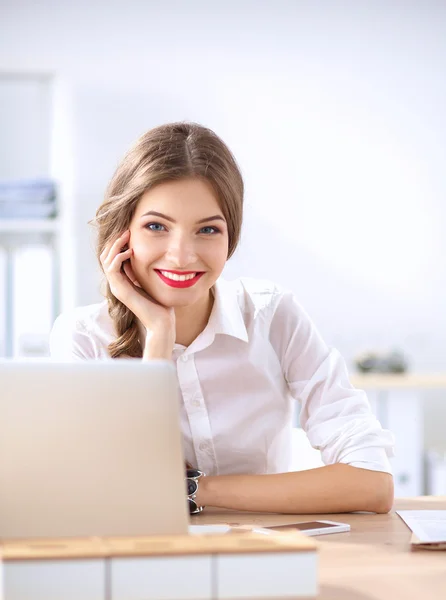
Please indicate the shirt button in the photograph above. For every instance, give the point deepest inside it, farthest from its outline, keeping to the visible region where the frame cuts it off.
(184, 357)
(196, 402)
(204, 446)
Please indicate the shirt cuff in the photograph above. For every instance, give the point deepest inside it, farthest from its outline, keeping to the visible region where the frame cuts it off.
(373, 459)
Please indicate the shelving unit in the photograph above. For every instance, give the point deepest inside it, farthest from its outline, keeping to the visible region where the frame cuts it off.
(29, 225)
(388, 381)
(31, 151)
(16, 233)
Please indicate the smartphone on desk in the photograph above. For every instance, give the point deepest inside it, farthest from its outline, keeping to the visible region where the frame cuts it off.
(313, 527)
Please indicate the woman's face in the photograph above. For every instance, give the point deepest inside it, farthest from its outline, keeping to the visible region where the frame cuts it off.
(180, 241)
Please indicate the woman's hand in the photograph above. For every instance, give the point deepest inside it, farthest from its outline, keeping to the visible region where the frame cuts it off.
(158, 320)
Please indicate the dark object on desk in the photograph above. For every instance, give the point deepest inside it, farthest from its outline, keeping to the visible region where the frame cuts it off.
(192, 478)
(373, 362)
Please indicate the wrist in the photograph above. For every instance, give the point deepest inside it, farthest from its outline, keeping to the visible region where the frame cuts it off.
(204, 492)
(158, 344)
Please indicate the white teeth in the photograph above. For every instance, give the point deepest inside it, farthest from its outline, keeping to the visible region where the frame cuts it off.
(176, 277)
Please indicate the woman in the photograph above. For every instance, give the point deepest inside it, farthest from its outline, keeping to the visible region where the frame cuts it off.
(245, 351)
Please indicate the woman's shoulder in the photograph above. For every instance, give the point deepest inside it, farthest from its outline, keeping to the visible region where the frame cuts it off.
(255, 294)
(257, 289)
(92, 319)
(84, 332)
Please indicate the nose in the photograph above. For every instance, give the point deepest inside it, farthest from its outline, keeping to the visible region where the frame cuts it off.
(181, 252)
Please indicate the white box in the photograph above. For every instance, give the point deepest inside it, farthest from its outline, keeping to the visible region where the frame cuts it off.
(161, 578)
(53, 580)
(267, 575)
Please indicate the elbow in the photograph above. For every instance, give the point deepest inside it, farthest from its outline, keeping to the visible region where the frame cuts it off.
(385, 494)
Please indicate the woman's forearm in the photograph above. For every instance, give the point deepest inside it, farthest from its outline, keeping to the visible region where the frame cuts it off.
(334, 488)
(158, 345)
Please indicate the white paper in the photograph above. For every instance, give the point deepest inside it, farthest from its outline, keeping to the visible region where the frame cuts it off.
(428, 525)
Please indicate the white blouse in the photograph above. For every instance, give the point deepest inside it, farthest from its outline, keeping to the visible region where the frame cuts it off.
(239, 380)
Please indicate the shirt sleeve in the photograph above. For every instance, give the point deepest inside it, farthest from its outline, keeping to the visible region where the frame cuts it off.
(70, 341)
(336, 417)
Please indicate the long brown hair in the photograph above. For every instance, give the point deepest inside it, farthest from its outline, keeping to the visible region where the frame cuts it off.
(169, 152)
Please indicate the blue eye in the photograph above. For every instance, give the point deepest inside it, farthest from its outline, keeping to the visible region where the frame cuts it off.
(155, 227)
(209, 230)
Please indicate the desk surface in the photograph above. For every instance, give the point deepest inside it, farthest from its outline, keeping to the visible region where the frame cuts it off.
(373, 561)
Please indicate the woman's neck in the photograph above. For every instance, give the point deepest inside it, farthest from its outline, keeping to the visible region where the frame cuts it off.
(192, 320)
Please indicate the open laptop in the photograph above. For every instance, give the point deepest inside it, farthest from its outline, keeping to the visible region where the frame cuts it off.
(90, 449)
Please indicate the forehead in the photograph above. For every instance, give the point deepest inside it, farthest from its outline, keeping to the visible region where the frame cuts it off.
(185, 198)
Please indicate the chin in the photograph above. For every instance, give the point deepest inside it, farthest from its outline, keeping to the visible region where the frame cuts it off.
(179, 304)
(172, 298)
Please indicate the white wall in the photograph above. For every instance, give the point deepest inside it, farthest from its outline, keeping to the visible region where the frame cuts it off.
(336, 113)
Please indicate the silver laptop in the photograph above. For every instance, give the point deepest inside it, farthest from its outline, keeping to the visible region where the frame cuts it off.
(90, 449)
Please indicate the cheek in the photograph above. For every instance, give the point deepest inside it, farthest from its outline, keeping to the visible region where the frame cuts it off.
(217, 256)
(143, 254)
(141, 245)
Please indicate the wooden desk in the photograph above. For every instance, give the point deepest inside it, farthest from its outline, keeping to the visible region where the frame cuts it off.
(374, 561)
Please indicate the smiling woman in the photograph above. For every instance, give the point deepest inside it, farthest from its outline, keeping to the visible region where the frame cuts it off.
(181, 215)
(170, 220)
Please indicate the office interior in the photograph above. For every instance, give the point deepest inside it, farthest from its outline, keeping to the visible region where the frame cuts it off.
(336, 114)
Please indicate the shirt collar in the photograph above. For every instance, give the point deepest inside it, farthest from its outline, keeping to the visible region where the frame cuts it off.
(226, 317)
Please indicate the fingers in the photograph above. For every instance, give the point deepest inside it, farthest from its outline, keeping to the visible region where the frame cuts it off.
(118, 270)
(116, 263)
(114, 248)
(130, 274)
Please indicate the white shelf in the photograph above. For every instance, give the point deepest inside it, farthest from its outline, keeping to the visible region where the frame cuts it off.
(29, 225)
(387, 381)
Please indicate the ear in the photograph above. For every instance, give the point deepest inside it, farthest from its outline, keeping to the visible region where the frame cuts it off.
(130, 274)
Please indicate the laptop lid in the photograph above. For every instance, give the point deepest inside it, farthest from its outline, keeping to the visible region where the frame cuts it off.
(90, 448)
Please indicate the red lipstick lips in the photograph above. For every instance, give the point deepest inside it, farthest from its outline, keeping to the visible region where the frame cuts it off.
(175, 283)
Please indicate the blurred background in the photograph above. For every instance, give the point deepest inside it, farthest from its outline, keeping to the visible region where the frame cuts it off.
(336, 112)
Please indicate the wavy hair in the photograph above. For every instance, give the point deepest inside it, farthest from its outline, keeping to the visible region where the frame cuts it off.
(169, 152)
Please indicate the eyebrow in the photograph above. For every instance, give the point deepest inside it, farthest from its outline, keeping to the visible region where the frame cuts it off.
(154, 213)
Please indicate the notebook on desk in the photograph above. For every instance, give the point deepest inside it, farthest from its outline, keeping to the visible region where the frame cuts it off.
(418, 545)
(428, 528)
